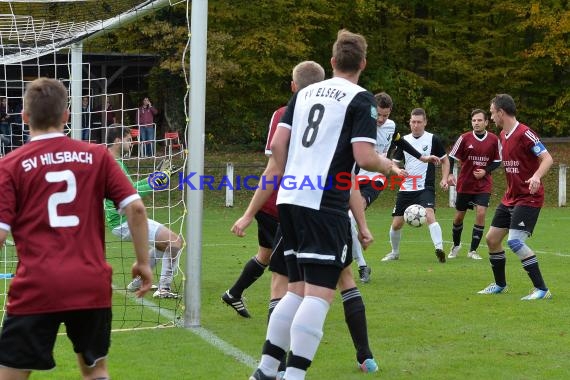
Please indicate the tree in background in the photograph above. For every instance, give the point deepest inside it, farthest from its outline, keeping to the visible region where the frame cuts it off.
(447, 56)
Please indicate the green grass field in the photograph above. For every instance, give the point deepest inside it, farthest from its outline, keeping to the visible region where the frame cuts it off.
(425, 319)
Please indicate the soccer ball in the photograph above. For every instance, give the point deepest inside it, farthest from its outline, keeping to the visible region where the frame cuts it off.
(415, 215)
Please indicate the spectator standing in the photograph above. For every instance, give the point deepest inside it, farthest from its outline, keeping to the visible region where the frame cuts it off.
(5, 123)
(147, 128)
(85, 119)
(107, 119)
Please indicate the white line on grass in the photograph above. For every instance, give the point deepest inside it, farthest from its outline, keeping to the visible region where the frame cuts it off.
(558, 253)
(169, 315)
(542, 252)
(208, 336)
(224, 244)
(225, 347)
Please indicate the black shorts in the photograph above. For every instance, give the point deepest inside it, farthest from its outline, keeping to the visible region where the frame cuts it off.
(369, 191)
(522, 218)
(277, 262)
(27, 341)
(266, 229)
(467, 201)
(316, 244)
(404, 199)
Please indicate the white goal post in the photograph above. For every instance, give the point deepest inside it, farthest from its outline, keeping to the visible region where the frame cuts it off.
(32, 45)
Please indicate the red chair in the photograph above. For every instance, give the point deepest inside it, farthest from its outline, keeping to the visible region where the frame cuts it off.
(171, 141)
(135, 140)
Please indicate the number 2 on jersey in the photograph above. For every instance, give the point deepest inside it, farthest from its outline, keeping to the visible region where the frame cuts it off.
(62, 197)
(312, 129)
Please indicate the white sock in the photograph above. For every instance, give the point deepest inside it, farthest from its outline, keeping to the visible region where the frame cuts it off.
(436, 235)
(307, 331)
(152, 257)
(295, 373)
(357, 253)
(279, 330)
(170, 260)
(395, 237)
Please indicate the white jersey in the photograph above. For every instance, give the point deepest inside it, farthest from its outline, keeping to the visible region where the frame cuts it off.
(384, 135)
(325, 118)
(420, 175)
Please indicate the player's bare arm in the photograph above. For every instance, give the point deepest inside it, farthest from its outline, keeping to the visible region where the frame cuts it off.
(261, 195)
(479, 173)
(430, 159)
(279, 149)
(368, 159)
(3, 237)
(444, 173)
(398, 171)
(137, 221)
(273, 171)
(451, 180)
(357, 207)
(546, 162)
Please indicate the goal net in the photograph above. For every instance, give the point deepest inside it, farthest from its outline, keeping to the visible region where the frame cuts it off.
(82, 43)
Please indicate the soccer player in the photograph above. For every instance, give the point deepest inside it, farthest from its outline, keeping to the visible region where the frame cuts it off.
(163, 242)
(371, 184)
(526, 161)
(419, 186)
(52, 190)
(306, 73)
(478, 152)
(326, 127)
(266, 215)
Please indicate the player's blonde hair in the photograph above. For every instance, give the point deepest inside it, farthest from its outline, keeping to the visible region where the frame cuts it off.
(306, 73)
(45, 102)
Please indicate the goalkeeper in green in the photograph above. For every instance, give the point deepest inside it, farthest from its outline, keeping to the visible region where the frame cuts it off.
(163, 243)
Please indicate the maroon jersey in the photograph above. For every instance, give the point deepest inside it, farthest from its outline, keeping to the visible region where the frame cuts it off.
(520, 151)
(270, 206)
(475, 153)
(52, 201)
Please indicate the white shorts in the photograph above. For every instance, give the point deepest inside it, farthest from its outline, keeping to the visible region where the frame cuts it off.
(124, 233)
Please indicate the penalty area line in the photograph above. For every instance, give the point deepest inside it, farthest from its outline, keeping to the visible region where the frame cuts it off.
(206, 335)
(223, 346)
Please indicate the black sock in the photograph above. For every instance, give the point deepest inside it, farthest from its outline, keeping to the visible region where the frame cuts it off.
(355, 317)
(274, 351)
(298, 362)
(272, 304)
(252, 270)
(476, 237)
(530, 265)
(498, 261)
(457, 230)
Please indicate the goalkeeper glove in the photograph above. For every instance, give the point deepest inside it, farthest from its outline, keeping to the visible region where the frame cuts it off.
(164, 165)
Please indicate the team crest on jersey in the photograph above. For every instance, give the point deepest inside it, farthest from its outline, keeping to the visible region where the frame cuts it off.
(425, 148)
(373, 112)
(536, 149)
